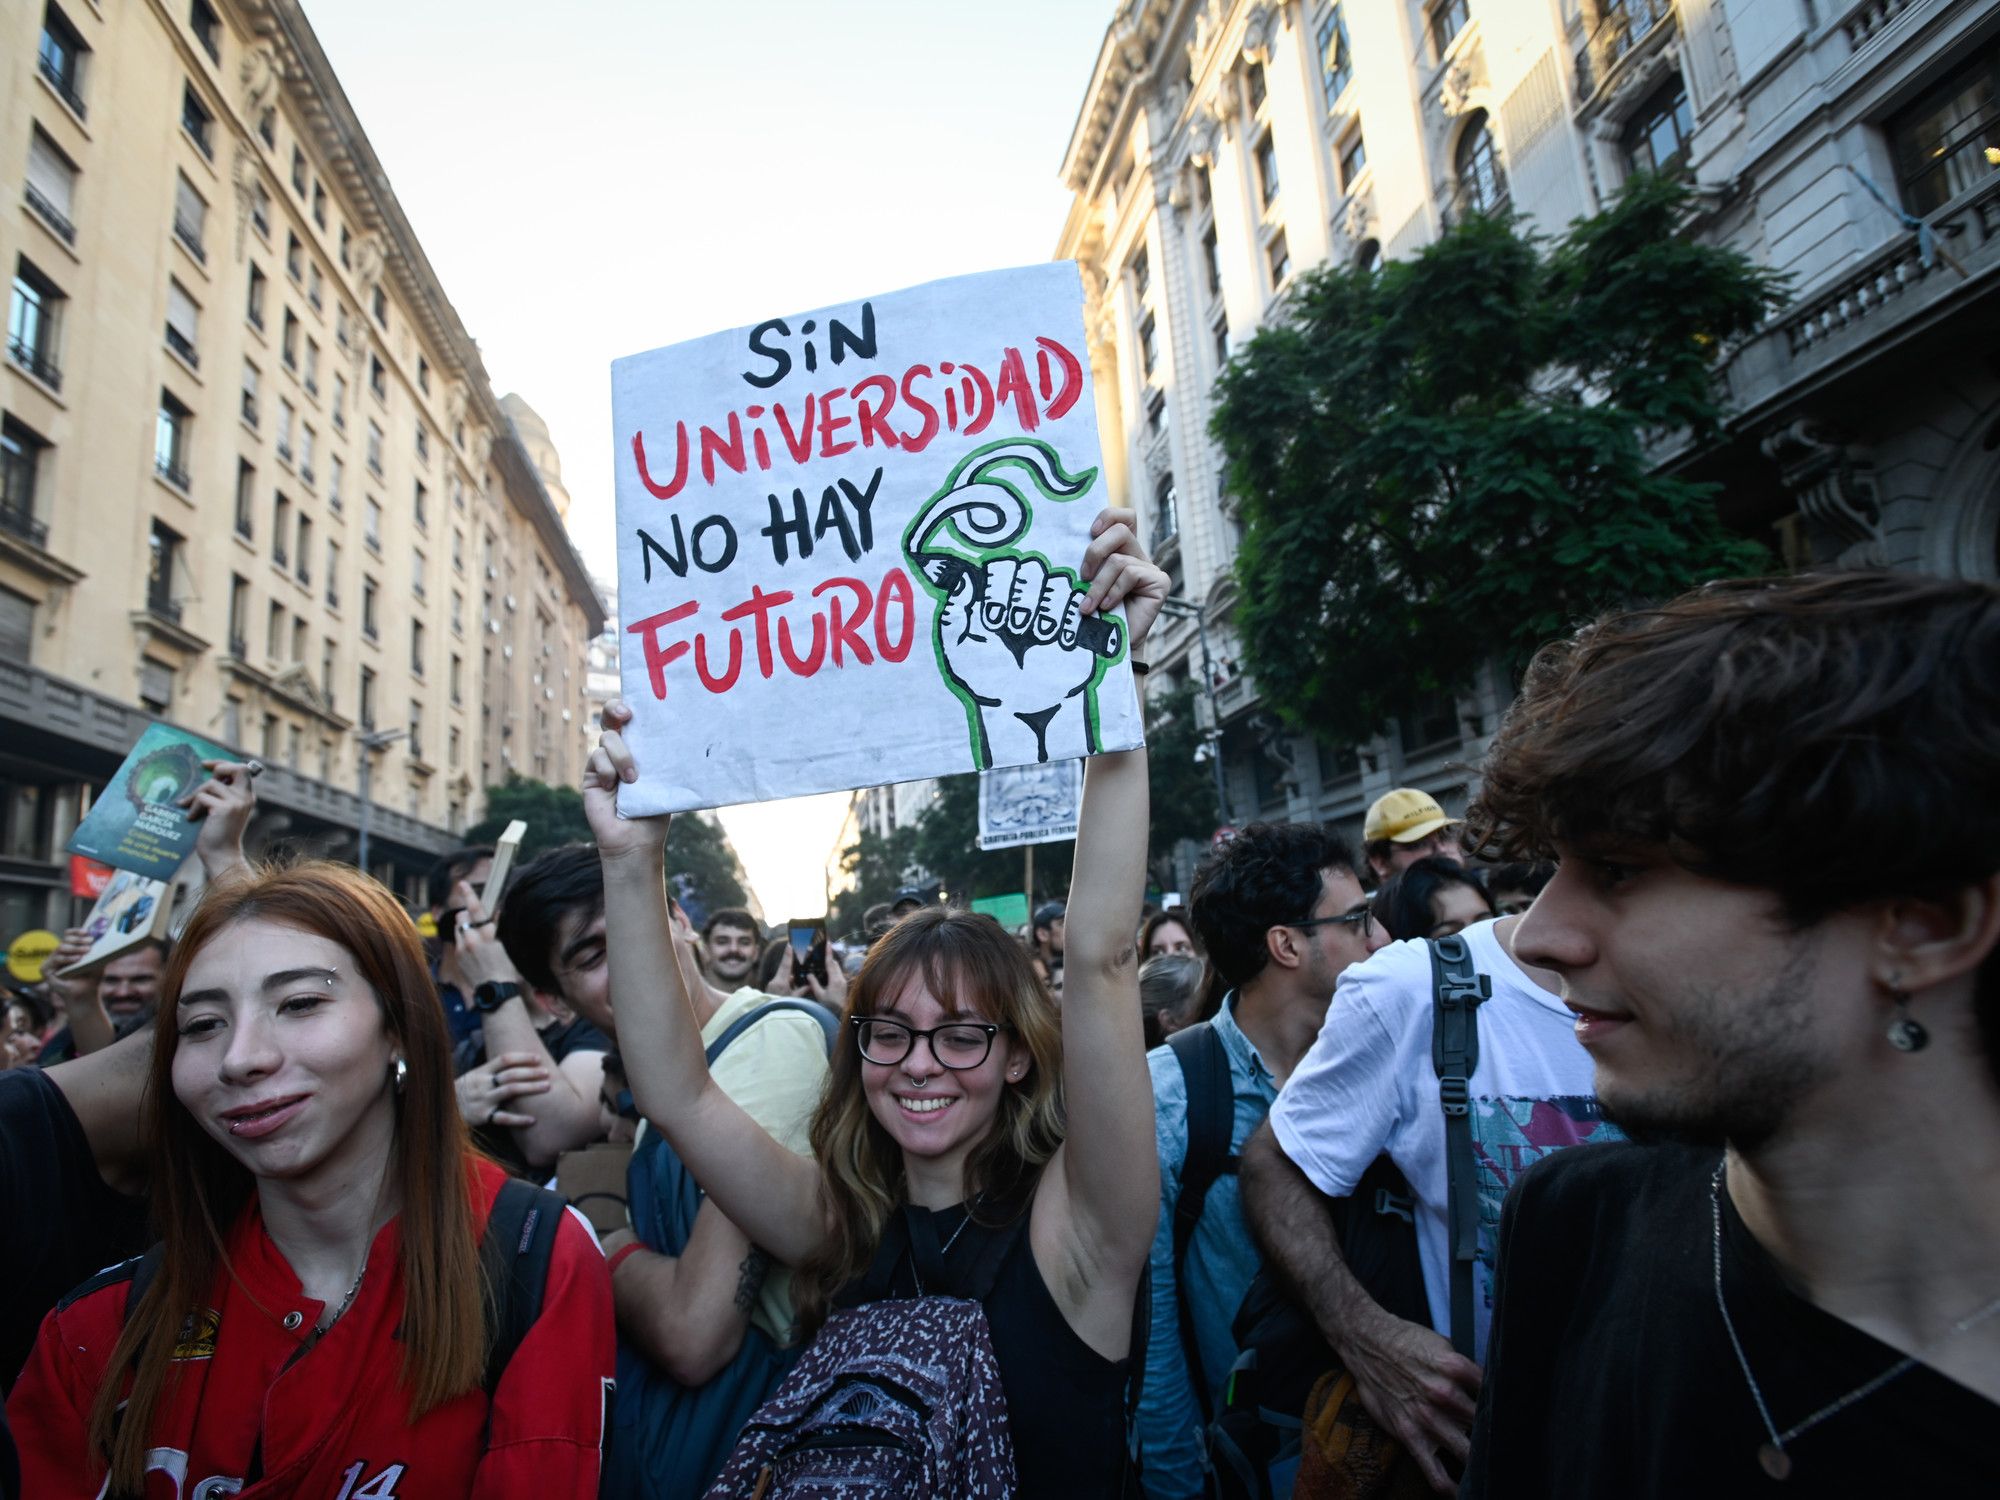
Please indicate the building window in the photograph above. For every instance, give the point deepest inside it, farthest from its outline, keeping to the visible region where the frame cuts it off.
(246, 497)
(1949, 140)
(285, 417)
(1253, 86)
(1266, 153)
(207, 29)
(62, 58)
(34, 322)
(312, 368)
(307, 438)
(299, 171)
(1657, 137)
(1278, 260)
(381, 308)
(1149, 343)
(170, 441)
(1219, 334)
(339, 402)
(371, 526)
(423, 381)
(164, 557)
(1211, 261)
(420, 507)
(332, 574)
(1369, 257)
(1482, 184)
(370, 616)
(1166, 511)
(416, 734)
(1336, 66)
(17, 636)
(329, 657)
(267, 127)
(457, 678)
(1156, 416)
(375, 450)
(1142, 275)
(274, 631)
(197, 121)
(190, 217)
(315, 286)
(250, 413)
(20, 472)
(239, 617)
(1353, 157)
(458, 552)
(288, 344)
(319, 204)
(336, 476)
(183, 321)
(260, 213)
(378, 378)
(423, 444)
(254, 304)
(454, 739)
(417, 570)
(417, 647)
(51, 185)
(295, 258)
(367, 699)
(346, 248)
(1448, 19)
(156, 685)
(281, 531)
(457, 612)
(304, 554)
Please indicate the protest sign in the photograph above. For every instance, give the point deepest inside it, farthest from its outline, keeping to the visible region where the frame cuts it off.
(1033, 804)
(849, 542)
(134, 823)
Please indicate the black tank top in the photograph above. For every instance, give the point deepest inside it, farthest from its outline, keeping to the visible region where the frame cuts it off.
(1065, 1401)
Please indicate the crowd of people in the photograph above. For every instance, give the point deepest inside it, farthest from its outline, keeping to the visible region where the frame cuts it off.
(1635, 1134)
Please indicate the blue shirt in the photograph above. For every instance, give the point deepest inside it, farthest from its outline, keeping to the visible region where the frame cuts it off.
(1220, 1264)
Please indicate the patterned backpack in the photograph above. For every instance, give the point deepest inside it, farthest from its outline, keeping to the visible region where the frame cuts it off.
(893, 1398)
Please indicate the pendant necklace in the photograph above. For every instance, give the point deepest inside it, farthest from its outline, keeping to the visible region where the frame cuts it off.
(951, 1240)
(1771, 1456)
(347, 1301)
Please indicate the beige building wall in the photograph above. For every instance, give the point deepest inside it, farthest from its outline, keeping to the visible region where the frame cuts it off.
(258, 481)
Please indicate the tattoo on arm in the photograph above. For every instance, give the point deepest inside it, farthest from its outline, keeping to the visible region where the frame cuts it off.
(750, 1278)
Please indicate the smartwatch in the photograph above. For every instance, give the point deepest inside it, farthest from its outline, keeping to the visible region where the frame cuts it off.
(490, 996)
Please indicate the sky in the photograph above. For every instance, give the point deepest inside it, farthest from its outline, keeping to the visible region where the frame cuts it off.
(600, 178)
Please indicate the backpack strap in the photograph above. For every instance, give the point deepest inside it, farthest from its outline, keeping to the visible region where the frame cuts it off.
(515, 1251)
(828, 1023)
(1458, 989)
(1211, 1119)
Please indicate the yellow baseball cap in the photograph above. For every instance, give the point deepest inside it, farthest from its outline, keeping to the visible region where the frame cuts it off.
(1404, 816)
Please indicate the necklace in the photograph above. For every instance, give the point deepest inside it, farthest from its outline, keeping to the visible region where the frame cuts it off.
(950, 1240)
(347, 1301)
(1771, 1456)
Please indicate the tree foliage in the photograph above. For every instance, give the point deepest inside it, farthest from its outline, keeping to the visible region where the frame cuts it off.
(696, 848)
(1182, 789)
(1449, 458)
(876, 865)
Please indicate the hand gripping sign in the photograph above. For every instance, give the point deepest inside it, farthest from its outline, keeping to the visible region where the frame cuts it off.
(804, 505)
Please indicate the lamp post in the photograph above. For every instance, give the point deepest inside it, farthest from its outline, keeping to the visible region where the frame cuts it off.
(1187, 611)
(371, 741)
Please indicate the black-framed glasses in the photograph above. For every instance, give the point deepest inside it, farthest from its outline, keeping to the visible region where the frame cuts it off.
(957, 1045)
(1361, 917)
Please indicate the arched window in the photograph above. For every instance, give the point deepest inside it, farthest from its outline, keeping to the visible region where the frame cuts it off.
(1482, 184)
(1166, 511)
(1369, 256)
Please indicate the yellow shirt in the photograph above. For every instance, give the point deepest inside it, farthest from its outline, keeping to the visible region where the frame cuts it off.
(775, 1071)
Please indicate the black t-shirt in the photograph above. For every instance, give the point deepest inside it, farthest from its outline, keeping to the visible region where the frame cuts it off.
(1609, 1371)
(59, 1223)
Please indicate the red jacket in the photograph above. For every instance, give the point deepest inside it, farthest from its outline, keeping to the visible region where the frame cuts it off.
(335, 1425)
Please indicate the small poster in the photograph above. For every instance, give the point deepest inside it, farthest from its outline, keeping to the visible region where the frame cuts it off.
(849, 544)
(134, 823)
(1034, 804)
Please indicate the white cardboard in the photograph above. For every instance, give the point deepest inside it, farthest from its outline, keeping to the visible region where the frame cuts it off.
(1032, 804)
(946, 480)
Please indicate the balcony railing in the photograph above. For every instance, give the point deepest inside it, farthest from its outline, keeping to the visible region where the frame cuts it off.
(35, 362)
(54, 217)
(243, 528)
(1621, 26)
(1467, 199)
(65, 88)
(190, 236)
(171, 471)
(181, 345)
(239, 647)
(166, 609)
(22, 523)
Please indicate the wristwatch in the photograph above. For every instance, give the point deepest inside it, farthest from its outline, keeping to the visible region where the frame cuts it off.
(490, 996)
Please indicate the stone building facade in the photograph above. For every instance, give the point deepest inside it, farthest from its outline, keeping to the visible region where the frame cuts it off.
(256, 481)
(1224, 145)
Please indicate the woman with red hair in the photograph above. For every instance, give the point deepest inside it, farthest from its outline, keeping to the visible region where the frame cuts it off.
(319, 1318)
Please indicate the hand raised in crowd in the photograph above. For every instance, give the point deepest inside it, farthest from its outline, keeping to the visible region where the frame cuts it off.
(832, 994)
(89, 1025)
(1415, 1384)
(610, 766)
(223, 805)
(482, 959)
(485, 1092)
(1120, 573)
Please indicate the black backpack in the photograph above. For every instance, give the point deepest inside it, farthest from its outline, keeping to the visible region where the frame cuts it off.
(520, 1238)
(1282, 1353)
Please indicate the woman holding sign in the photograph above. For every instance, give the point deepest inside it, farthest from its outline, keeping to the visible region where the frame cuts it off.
(970, 1240)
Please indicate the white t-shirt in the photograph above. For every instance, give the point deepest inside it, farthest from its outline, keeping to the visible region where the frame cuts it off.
(1368, 1086)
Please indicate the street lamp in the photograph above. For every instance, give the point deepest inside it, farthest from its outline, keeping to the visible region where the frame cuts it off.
(1187, 611)
(371, 741)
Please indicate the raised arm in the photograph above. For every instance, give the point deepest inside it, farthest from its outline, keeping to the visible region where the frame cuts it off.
(768, 1191)
(1108, 1168)
(224, 804)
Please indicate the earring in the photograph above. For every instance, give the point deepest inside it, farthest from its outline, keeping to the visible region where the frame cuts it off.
(1905, 1033)
(400, 1074)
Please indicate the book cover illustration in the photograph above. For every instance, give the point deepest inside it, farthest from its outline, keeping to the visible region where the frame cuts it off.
(134, 823)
